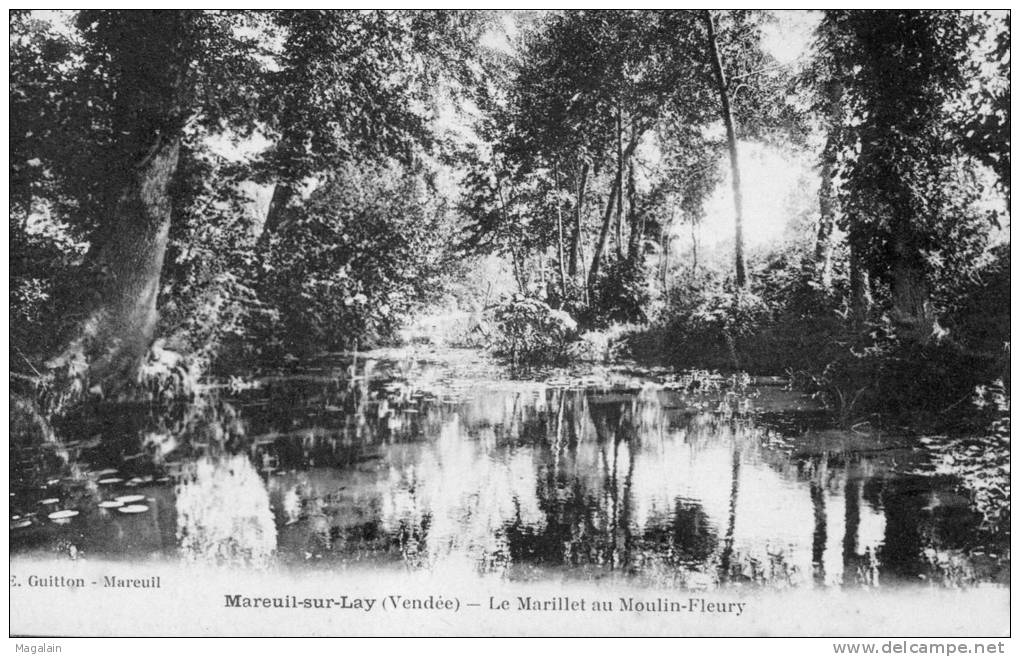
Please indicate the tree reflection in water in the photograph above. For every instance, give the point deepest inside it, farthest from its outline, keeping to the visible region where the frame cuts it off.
(520, 480)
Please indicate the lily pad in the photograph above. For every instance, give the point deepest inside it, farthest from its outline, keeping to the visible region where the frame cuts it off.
(110, 504)
(110, 480)
(133, 508)
(129, 499)
(65, 514)
(49, 500)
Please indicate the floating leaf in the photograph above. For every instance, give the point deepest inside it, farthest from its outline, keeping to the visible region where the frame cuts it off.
(65, 514)
(133, 508)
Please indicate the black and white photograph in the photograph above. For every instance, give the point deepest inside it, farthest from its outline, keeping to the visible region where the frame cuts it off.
(510, 323)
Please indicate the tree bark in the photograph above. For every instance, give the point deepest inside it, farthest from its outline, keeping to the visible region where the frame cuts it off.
(826, 192)
(619, 184)
(561, 252)
(860, 286)
(911, 298)
(731, 143)
(119, 324)
(575, 241)
(826, 220)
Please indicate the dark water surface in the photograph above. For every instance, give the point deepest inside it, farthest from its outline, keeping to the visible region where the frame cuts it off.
(693, 481)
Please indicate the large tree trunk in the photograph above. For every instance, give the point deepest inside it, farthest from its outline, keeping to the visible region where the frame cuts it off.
(731, 143)
(911, 298)
(575, 240)
(121, 319)
(149, 56)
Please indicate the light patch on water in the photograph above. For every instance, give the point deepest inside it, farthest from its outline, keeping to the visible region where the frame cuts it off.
(223, 513)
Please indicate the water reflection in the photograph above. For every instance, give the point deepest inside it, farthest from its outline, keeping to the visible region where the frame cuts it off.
(682, 486)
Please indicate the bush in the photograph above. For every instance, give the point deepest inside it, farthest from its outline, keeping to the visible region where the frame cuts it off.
(624, 292)
(44, 253)
(346, 269)
(529, 331)
(706, 320)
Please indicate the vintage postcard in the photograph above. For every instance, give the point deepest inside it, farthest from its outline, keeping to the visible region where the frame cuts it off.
(686, 323)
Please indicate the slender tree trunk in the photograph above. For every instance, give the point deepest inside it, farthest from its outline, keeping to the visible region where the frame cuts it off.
(561, 252)
(826, 192)
(826, 220)
(596, 259)
(619, 184)
(607, 219)
(860, 286)
(731, 143)
(283, 194)
(518, 273)
(633, 218)
(694, 248)
(575, 241)
(664, 259)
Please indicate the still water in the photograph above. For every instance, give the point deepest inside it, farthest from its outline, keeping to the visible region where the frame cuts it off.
(694, 481)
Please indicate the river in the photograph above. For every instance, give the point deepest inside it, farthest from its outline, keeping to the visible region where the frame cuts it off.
(445, 463)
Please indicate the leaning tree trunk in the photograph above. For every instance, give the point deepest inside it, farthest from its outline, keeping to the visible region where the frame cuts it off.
(150, 58)
(607, 219)
(283, 194)
(596, 259)
(120, 320)
(731, 143)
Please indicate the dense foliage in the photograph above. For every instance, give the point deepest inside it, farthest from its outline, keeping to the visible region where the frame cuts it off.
(240, 187)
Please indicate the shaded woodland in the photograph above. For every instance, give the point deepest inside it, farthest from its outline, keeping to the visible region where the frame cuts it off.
(197, 194)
